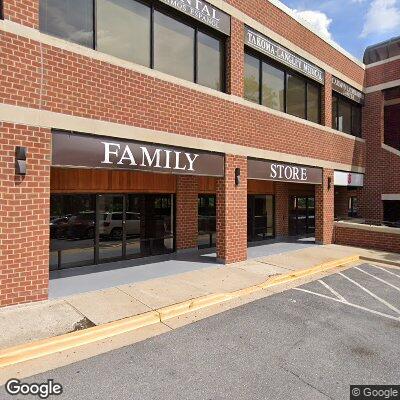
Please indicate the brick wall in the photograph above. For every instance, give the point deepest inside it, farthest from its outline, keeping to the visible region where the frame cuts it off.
(232, 212)
(386, 72)
(81, 86)
(235, 59)
(373, 131)
(24, 215)
(187, 192)
(324, 209)
(25, 12)
(367, 239)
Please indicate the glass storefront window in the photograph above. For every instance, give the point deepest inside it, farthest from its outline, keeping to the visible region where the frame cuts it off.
(72, 230)
(93, 229)
(273, 87)
(356, 121)
(260, 217)
(207, 224)
(296, 96)
(68, 19)
(173, 47)
(209, 59)
(251, 78)
(123, 30)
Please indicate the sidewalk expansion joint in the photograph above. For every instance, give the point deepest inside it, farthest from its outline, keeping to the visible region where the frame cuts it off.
(44, 347)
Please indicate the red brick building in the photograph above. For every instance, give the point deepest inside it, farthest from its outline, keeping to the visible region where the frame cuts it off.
(137, 128)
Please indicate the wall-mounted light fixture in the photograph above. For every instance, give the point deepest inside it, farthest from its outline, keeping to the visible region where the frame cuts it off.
(20, 160)
(237, 176)
(329, 183)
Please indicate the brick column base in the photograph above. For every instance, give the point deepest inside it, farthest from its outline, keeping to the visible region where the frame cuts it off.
(281, 209)
(232, 212)
(24, 215)
(324, 209)
(187, 192)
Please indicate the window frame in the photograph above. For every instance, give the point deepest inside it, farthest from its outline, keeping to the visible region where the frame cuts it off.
(198, 26)
(353, 104)
(286, 70)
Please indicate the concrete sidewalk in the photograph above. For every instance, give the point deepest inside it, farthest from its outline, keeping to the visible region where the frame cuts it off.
(26, 323)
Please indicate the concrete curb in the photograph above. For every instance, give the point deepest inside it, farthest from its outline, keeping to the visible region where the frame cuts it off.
(44, 347)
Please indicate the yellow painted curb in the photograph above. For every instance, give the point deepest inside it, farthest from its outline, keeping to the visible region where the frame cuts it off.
(44, 347)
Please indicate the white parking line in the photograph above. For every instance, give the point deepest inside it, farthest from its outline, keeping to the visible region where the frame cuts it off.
(333, 291)
(349, 304)
(383, 269)
(392, 307)
(378, 279)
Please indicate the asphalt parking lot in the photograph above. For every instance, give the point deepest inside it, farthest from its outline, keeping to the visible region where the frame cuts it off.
(311, 342)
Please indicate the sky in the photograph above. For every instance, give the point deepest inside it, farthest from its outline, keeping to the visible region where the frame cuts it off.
(353, 24)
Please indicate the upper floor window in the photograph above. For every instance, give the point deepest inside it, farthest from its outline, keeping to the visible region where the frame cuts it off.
(68, 19)
(280, 89)
(346, 115)
(392, 125)
(145, 32)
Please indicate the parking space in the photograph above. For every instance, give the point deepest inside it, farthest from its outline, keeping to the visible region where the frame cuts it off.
(371, 288)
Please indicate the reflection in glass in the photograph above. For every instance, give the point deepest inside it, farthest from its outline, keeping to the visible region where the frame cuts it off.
(123, 29)
(134, 213)
(302, 215)
(335, 113)
(313, 103)
(344, 116)
(209, 61)
(173, 47)
(68, 19)
(296, 96)
(251, 78)
(72, 230)
(207, 221)
(260, 217)
(110, 227)
(273, 88)
(356, 121)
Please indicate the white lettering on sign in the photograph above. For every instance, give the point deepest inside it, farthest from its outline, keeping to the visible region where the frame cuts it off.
(158, 158)
(274, 50)
(288, 172)
(204, 12)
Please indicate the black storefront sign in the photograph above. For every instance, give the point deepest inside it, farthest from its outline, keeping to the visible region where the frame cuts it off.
(204, 12)
(89, 151)
(279, 53)
(348, 91)
(281, 172)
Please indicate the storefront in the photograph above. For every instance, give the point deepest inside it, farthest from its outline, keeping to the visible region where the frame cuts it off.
(293, 198)
(114, 199)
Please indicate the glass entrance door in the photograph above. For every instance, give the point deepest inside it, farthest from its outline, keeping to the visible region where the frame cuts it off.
(260, 217)
(302, 215)
(111, 227)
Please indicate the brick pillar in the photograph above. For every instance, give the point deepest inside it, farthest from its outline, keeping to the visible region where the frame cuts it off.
(235, 59)
(24, 216)
(232, 212)
(341, 202)
(375, 173)
(281, 209)
(24, 12)
(326, 101)
(187, 192)
(324, 209)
